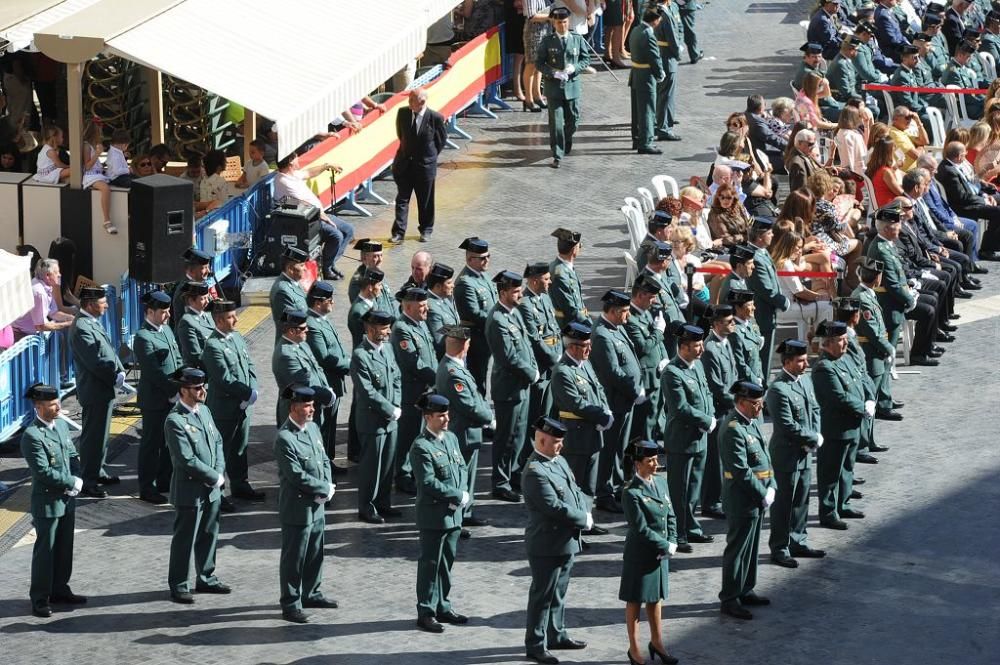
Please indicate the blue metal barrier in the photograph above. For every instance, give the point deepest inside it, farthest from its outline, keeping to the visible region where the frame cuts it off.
(21, 366)
(241, 213)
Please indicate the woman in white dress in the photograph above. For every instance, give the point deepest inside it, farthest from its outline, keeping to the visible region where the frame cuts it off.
(49, 167)
(93, 171)
(806, 305)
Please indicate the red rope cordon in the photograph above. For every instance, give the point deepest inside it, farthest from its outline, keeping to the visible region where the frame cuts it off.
(910, 88)
(781, 273)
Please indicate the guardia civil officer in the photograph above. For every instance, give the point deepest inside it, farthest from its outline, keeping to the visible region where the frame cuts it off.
(413, 348)
(331, 354)
(669, 32)
(848, 311)
(55, 482)
(474, 298)
(371, 282)
(767, 295)
(196, 324)
(371, 259)
(645, 330)
(874, 338)
(286, 292)
(746, 339)
(197, 268)
(159, 357)
(566, 292)
(99, 373)
(377, 393)
(440, 475)
(557, 514)
(562, 56)
(795, 415)
(647, 71)
(741, 263)
(514, 371)
(649, 543)
(292, 361)
(687, 401)
(748, 489)
(441, 309)
(195, 446)
(305, 485)
(232, 389)
(720, 371)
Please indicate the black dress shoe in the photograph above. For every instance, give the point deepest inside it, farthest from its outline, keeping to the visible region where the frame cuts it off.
(896, 404)
(154, 498)
(371, 518)
(859, 481)
(831, 523)
(875, 448)
(584, 545)
(866, 458)
(609, 506)
(684, 548)
(569, 147)
(94, 492)
(322, 602)
(947, 327)
(182, 597)
(596, 531)
(69, 598)
(969, 285)
(852, 514)
(650, 151)
(700, 538)
(888, 415)
(855, 494)
(389, 511)
(979, 270)
(505, 494)
(667, 136)
(542, 104)
(944, 337)
(330, 275)
(962, 293)
(295, 616)
(429, 624)
(453, 617)
(808, 553)
(213, 588)
(923, 361)
(472, 520)
(529, 107)
(954, 317)
(784, 560)
(465, 534)
(989, 256)
(569, 645)
(753, 599)
(396, 239)
(935, 352)
(337, 470)
(543, 657)
(713, 512)
(108, 480)
(227, 505)
(735, 610)
(42, 611)
(249, 494)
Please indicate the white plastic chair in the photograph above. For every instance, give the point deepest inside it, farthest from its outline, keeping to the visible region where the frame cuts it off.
(937, 129)
(633, 202)
(889, 105)
(631, 270)
(632, 226)
(646, 199)
(956, 109)
(805, 29)
(907, 340)
(989, 64)
(664, 185)
(870, 193)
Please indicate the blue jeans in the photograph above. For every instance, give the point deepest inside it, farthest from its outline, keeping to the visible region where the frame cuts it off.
(337, 236)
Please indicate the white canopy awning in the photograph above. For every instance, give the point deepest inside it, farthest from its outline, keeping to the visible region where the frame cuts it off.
(15, 287)
(300, 63)
(23, 18)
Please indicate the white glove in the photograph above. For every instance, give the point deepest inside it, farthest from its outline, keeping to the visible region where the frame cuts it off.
(663, 364)
(611, 421)
(590, 521)
(929, 276)
(819, 441)
(870, 408)
(219, 482)
(671, 548)
(917, 285)
(333, 489)
(560, 76)
(912, 306)
(77, 486)
(493, 424)
(465, 500)
(244, 404)
(538, 375)
(659, 322)
(570, 69)
(641, 398)
(769, 497)
(119, 379)
(253, 397)
(396, 413)
(711, 428)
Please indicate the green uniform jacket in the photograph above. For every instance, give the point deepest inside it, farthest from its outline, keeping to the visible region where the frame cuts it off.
(746, 466)
(937, 57)
(385, 300)
(96, 362)
(894, 295)
(652, 526)
(841, 398)
(52, 460)
(669, 33)
(747, 341)
(648, 344)
(642, 45)
(554, 54)
(991, 44)
(440, 312)
(795, 414)
(514, 366)
(767, 295)
(965, 76)
(195, 447)
(293, 362)
(566, 294)
(666, 298)
(158, 357)
(543, 330)
(719, 365)
(856, 358)
(303, 473)
(688, 403)
(474, 298)
(329, 351)
(578, 399)
(730, 282)
(377, 388)
(230, 372)
(467, 409)
(913, 100)
(864, 65)
(872, 333)
(439, 472)
(802, 69)
(354, 285)
(359, 307)
(413, 347)
(285, 293)
(193, 330)
(843, 79)
(670, 279)
(616, 365)
(557, 509)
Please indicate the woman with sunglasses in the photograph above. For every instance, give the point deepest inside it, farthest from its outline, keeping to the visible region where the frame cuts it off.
(728, 220)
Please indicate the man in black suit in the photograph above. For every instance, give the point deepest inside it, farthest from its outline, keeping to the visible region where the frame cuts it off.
(954, 25)
(762, 137)
(967, 198)
(422, 136)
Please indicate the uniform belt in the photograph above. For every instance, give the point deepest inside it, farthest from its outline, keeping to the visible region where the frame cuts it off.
(862, 339)
(639, 65)
(551, 341)
(761, 475)
(879, 289)
(569, 415)
(558, 312)
(663, 43)
(471, 324)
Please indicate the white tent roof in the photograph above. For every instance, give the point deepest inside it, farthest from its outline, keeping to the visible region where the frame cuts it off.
(26, 17)
(15, 287)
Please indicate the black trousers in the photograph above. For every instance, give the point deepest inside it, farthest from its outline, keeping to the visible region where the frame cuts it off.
(412, 180)
(925, 315)
(991, 239)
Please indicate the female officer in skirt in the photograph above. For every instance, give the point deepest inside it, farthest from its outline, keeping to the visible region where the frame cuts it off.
(650, 541)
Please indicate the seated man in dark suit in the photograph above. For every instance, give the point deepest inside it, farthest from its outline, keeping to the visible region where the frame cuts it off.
(968, 197)
(962, 233)
(823, 28)
(762, 137)
(888, 32)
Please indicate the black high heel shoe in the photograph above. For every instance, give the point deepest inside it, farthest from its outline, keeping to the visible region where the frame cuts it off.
(542, 105)
(633, 661)
(666, 658)
(528, 106)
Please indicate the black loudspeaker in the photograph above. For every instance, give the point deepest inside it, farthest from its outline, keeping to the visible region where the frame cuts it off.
(287, 224)
(160, 227)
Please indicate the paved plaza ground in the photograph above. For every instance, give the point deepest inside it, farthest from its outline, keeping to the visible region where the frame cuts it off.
(917, 581)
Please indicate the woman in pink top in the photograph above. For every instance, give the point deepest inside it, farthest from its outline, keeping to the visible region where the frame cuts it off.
(814, 87)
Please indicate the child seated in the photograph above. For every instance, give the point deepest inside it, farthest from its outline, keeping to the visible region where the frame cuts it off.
(256, 169)
(115, 164)
(214, 188)
(93, 171)
(50, 168)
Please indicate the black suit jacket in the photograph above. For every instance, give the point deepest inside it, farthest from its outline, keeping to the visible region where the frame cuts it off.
(953, 28)
(420, 149)
(961, 195)
(761, 136)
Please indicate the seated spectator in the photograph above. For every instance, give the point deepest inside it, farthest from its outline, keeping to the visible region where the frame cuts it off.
(979, 137)
(214, 188)
(782, 117)
(852, 140)
(797, 215)
(824, 28)
(966, 230)
(988, 156)
(807, 305)
(50, 167)
(93, 171)
(825, 188)
(762, 134)
(683, 244)
(480, 16)
(256, 168)
(992, 96)
(807, 101)
(142, 166)
(352, 117)
(908, 135)
(959, 72)
(884, 172)
(194, 173)
(45, 314)
(115, 164)
(728, 220)
(290, 185)
(802, 159)
(694, 214)
(10, 159)
(160, 156)
(969, 198)
(752, 178)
